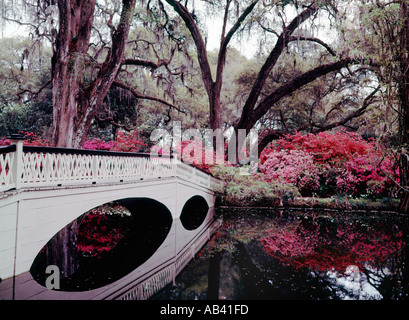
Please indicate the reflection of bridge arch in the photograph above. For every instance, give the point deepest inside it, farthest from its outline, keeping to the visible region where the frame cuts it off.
(137, 234)
(42, 205)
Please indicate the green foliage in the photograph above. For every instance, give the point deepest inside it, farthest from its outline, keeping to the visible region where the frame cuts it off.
(33, 117)
(344, 202)
(244, 189)
(12, 118)
(24, 69)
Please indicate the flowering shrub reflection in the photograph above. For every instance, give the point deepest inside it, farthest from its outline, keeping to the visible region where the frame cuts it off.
(102, 228)
(328, 244)
(315, 241)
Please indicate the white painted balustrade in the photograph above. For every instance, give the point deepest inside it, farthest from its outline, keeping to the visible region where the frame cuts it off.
(7, 176)
(31, 167)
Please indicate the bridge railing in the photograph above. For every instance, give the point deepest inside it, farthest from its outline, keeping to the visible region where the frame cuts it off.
(33, 166)
(7, 176)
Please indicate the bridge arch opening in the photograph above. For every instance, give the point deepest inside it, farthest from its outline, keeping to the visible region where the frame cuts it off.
(194, 212)
(104, 244)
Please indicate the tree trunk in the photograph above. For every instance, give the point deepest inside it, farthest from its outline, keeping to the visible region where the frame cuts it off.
(404, 181)
(75, 103)
(404, 101)
(213, 281)
(62, 250)
(71, 46)
(404, 203)
(213, 88)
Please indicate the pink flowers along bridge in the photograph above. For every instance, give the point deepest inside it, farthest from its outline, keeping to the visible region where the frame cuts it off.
(43, 190)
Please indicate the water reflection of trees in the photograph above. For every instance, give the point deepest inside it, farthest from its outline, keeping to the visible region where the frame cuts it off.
(290, 256)
(392, 277)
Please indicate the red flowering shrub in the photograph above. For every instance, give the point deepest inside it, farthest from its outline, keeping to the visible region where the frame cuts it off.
(30, 139)
(194, 153)
(326, 147)
(197, 154)
(102, 228)
(291, 166)
(125, 142)
(4, 142)
(128, 142)
(329, 163)
(98, 144)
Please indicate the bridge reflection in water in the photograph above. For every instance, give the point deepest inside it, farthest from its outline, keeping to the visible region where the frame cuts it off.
(46, 190)
(168, 271)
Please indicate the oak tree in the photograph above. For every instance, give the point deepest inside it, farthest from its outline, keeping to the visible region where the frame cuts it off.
(239, 16)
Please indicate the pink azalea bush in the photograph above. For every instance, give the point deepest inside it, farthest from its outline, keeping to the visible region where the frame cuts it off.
(195, 153)
(30, 139)
(291, 166)
(125, 142)
(98, 144)
(329, 163)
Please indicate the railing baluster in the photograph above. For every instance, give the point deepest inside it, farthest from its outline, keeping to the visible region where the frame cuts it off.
(45, 166)
(17, 165)
(7, 179)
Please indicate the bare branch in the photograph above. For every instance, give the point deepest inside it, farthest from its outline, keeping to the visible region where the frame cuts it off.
(295, 84)
(138, 95)
(267, 29)
(198, 39)
(226, 39)
(139, 62)
(316, 40)
(367, 102)
(34, 93)
(236, 26)
(111, 121)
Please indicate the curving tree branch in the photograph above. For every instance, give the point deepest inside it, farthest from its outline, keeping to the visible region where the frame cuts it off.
(34, 93)
(247, 116)
(138, 95)
(316, 40)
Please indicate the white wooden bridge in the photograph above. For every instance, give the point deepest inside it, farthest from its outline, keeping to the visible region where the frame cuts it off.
(43, 189)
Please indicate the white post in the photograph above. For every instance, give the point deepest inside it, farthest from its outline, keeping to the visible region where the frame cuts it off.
(17, 167)
(94, 168)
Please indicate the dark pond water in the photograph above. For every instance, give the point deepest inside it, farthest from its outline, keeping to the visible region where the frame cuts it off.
(299, 255)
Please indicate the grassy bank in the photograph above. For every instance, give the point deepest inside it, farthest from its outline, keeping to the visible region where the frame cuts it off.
(252, 191)
(344, 203)
(333, 203)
